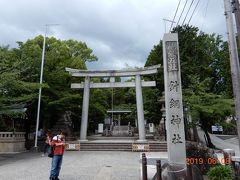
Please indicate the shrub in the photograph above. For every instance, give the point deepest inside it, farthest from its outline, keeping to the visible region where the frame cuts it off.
(197, 153)
(229, 128)
(220, 172)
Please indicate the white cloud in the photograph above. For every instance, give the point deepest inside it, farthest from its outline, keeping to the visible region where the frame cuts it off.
(119, 31)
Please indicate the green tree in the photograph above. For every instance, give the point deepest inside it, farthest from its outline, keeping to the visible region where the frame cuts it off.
(23, 71)
(206, 108)
(152, 105)
(15, 92)
(205, 74)
(13, 89)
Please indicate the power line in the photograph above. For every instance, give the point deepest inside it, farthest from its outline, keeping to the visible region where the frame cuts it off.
(175, 15)
(193, 12)
(182, 12)
(188, 11)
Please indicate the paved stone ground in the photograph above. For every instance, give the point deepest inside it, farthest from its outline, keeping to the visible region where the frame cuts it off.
(77, 165)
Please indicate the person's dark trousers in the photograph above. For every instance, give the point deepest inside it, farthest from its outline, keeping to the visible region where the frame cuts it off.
(46, 146)
(56, 166)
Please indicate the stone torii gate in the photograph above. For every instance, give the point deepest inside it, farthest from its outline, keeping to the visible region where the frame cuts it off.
(138, 84)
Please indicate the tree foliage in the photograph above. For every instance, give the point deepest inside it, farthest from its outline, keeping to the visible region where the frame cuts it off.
(205, 74)
(20, 72)
(13, 89)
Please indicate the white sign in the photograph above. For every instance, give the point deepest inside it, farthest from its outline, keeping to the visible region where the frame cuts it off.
(71, 146)
(151, 127)
(140, 146)
(217, 128)
(100, 128)
(173, 100)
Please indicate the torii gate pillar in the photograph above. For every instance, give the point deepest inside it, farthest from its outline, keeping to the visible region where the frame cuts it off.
(85, 107)
(140, 111)
(138, 84)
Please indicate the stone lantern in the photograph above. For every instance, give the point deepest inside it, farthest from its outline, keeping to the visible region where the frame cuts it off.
(162, 123)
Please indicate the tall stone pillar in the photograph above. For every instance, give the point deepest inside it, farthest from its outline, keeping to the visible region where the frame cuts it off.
(140, 113)
(173, 100)
(85, 106)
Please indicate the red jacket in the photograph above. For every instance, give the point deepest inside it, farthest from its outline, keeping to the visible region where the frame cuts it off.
(58, 145)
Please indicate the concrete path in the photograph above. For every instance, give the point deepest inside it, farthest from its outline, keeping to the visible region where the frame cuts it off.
(77, 165)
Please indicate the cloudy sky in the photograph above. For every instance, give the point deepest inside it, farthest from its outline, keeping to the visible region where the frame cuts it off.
(120, 32)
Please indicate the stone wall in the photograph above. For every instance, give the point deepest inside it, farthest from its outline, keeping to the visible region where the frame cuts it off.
(12, 142)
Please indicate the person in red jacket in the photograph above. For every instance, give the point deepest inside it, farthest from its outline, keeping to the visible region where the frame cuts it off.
(58, 144)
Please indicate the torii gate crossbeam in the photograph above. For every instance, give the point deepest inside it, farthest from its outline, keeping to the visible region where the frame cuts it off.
(138, 84)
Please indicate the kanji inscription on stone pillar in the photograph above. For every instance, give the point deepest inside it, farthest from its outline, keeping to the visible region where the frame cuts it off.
(173, 100)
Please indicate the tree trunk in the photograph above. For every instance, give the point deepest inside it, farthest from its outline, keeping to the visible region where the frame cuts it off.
(195, 133)
(209, 142)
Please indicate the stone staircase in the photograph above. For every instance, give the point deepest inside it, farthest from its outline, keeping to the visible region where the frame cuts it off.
(111, 146)
(122, 131)
(120, 146)
(158, 146)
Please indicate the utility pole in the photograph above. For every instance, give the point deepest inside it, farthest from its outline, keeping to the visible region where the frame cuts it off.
(234, 63)
(167, 20)
(41, 79)
(236, 11)
(40, 89)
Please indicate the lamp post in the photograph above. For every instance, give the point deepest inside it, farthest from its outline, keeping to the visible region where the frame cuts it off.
(41, 78)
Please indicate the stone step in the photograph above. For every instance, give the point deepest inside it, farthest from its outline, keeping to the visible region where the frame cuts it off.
(121, 131)
(104, 146)
(120, 128)
(106, 150)
(111, 138)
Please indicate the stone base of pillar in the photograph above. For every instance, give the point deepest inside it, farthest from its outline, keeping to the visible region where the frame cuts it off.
(83, 140)
(141, 140)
